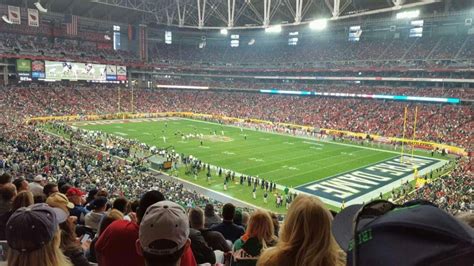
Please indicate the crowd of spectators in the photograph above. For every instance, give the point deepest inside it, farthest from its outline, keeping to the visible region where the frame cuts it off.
(103, 206)
(442, 123)
(329, 50)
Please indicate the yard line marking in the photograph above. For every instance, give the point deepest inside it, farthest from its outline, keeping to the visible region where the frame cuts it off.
(313, 143)
(303, 137)
(121, 133)
(228, 153)
(146, 133)
(315, 148)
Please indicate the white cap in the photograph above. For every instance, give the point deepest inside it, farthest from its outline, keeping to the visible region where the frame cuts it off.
(39, 178)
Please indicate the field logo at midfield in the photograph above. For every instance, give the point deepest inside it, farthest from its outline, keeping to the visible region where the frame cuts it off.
(217, 138)
(368, 182)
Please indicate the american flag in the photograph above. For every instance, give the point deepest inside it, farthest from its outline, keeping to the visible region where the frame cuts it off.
(71, 24)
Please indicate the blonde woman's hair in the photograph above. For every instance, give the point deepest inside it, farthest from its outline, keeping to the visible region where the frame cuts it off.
(261, 227)
(48, 255)
(306, 238)
(22, 199)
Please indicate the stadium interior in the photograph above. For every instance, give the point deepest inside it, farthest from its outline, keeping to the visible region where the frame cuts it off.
(238, 132)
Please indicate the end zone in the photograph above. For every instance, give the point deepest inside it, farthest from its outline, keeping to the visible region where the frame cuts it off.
(365, 183)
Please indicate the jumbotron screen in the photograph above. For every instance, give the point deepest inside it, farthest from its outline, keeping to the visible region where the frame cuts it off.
(64, 70)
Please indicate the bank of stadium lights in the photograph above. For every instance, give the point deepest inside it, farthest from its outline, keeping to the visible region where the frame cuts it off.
(224, 31)
(273, 29)
(408, 14)
(318, 24)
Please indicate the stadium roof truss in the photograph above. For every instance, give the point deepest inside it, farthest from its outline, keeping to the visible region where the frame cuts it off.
(232, 14)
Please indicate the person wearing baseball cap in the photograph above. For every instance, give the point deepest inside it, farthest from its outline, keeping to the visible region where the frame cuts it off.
(415, 233)
(163, 234)
(75, 196)
(33, 236)
(36, 187)
(59, 200)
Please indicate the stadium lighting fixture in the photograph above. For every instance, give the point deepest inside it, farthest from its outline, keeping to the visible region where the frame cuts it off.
(224, 31)
(5, 18)
(40, 7)
(408, 14)
(319, 24)
(273, 29)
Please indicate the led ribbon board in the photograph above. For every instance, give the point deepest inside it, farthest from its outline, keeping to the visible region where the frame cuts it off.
(368, 96)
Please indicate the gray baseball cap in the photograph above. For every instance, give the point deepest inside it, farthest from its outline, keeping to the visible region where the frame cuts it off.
(164, 220)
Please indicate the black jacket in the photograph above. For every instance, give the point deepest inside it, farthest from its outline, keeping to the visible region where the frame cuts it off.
(77, 257)
(229, 230)
(215, 240)
(201, 251)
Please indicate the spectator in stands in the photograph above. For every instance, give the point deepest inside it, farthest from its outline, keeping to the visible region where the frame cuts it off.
(148, 199)
(202, 250)
(306, 238)
(213, 239)
(36, 187)
(22, 199)
(49, 189)
(121, 204)
(276, 224)
(21, 184)
(5, 178)
(74, 195)
(93, 218)
(7, 193)
(33, 237)
(164, 234)
(238, 218)
(63, 188)
(59, 200)
(109, 218)
(116, 244)
(211, 217)
(415, 233)
(259, 236)
(245, 219)
(70, 245)
(227, 228)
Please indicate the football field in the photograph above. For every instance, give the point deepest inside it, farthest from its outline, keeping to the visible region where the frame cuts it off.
(336, 172)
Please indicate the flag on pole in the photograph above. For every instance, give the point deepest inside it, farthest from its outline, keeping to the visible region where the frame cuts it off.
(33, 17)
(71, 24)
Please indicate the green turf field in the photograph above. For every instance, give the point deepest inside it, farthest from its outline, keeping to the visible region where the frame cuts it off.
(287, 160)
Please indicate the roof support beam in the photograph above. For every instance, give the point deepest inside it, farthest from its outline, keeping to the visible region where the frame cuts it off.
(230, 13)
(267, 4)
(201, 12)
(299, 8)
(181, 16)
